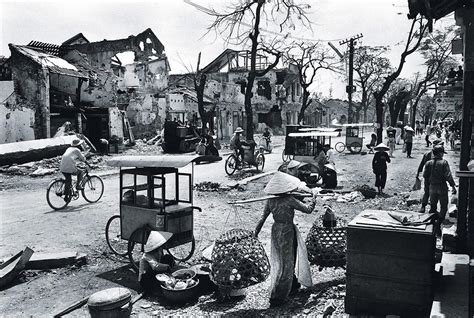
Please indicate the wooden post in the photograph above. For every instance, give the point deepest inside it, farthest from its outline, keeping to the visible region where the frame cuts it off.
(465, 236)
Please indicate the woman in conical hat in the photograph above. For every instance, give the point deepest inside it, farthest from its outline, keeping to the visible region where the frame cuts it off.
(289, 258)
(153, 261)
(379, 166)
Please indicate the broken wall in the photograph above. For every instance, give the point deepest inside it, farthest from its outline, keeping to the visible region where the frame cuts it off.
(31, 86)
(115, 122)
(17, 122)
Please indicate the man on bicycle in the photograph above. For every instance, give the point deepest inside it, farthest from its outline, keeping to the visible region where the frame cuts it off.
(268, 136)
(68, 165)
(236, 144)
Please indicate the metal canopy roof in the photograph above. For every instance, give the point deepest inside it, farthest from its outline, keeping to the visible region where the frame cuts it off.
(322, 129)
(357, 125)
(153, 161)
(314, 134)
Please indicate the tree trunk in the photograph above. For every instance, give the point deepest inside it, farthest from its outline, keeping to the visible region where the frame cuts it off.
(304, 105)
(248, 106)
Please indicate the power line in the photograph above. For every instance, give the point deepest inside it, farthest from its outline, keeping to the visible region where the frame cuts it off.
(211, 12)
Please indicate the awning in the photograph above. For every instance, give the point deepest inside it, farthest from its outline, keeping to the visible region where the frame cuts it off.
(153, 161)
(323, 129)
(314, 134)
(356, 125)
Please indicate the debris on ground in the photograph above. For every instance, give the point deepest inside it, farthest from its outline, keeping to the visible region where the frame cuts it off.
(367, 191)
(11, 268)
(207, 186)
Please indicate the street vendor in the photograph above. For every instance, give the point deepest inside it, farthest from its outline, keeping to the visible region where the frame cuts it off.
(237, 145)
(292, 168)
(288, 250)
(153, 261)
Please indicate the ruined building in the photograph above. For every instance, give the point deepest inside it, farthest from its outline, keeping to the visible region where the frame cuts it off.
(276, 100)
(87, 84)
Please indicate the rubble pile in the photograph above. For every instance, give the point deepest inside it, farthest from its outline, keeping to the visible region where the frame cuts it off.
(42, 167)
(207, 186)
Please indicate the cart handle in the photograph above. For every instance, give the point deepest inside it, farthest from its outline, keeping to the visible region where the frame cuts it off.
(197, 208)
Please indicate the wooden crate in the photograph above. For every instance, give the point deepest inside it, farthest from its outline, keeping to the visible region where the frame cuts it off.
(390, 268)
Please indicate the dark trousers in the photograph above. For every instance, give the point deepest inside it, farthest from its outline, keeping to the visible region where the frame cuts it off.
(381, 179)
(426, 195)
(409, 148)
(427, 139)
(68, 177)
(439, 195)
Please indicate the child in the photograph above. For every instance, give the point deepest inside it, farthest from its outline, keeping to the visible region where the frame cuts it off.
(379, 166)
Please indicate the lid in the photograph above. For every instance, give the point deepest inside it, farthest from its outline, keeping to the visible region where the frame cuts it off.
(109, 298)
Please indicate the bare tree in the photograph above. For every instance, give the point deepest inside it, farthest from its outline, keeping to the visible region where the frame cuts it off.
(371, 67)
(242, 22)
(309, 58)
(436, 50)
(199, 81)
(415, 35)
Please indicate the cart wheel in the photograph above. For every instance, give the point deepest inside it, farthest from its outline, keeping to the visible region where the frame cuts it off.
(231, 164)
(93, 189)
(114, 238)
(260, 162)
(136, 246)
(340, 147)
(355, 147)
(56, 196)
(183, 252)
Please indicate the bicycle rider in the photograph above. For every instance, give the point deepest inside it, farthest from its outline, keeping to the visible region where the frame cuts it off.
(268, 136)
(69, 167)
(236, 144)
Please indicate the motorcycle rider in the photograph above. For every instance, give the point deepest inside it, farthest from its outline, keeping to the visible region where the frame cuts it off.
(267, 135)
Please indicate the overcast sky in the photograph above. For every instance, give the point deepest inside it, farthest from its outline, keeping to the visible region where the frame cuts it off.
(181, 27)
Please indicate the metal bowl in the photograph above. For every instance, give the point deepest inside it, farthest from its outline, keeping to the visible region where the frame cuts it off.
(181, 295)
(184, 274)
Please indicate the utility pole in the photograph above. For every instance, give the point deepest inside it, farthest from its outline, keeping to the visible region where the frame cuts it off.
(350, 88)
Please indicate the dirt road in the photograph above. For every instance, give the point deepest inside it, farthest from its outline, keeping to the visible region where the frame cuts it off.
(27, 220)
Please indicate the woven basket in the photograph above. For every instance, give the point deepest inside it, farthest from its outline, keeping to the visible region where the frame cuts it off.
(326, 246)
(239, 260)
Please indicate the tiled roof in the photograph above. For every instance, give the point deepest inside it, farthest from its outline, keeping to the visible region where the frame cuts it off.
(53, 63)
(49, 48)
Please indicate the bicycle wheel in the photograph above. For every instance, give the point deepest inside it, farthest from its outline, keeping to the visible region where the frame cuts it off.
(340, 147)
(183, 252)
(231, 164)
(56, 195)
(93, 189)
(114, 238)
(260, 162)
(355, 147)
(136, 246)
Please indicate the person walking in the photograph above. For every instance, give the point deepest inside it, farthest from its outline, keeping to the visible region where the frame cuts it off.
(438, 173)
(391, 140)
(427, 137)
(426, 189)
(288, 250)
(409, 132)
(379, 166)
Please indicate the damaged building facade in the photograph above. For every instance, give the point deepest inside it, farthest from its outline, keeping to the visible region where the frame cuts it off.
(276, 97)
(87, 84)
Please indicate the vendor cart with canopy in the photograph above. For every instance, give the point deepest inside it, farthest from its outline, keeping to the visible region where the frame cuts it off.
(155, 194)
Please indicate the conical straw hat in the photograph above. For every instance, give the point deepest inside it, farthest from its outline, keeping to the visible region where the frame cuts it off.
(156, 239)
(382, 147)
(282, 183)
(293, 164)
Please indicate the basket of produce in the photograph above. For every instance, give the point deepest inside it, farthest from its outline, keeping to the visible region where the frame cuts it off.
(326, 246)
(367, 191)
(238, 260)
(179, 287)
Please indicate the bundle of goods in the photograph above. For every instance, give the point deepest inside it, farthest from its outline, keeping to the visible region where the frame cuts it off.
(366, 191)
(179, 287)
(326, 245)
(238, 260)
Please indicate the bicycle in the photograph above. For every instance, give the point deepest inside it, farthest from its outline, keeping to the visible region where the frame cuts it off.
(91, 188)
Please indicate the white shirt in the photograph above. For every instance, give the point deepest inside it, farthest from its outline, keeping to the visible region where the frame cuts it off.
(69, 159)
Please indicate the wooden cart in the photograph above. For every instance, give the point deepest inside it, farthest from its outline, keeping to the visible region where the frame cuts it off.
(354, 138)
(155, 194)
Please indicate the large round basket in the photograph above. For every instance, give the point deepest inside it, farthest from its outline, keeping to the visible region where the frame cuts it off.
(239, 260)
(326, 246)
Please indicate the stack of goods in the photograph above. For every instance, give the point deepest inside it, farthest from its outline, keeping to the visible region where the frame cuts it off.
(239, 260)
(326, 245)
(366, 191)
